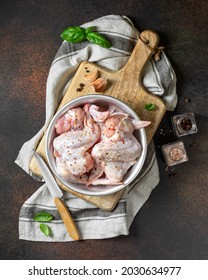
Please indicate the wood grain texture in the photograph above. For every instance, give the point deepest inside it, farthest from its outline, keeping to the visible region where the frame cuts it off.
(67, 218)
(125, 85)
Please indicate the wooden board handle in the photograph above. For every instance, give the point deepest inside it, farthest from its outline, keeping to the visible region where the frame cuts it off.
(146, 46)
(67, 218)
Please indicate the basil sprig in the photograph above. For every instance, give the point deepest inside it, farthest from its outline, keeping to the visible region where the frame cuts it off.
(77, 34)
(43, 217)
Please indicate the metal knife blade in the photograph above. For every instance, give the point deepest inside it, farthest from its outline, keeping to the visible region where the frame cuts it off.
(48, 177)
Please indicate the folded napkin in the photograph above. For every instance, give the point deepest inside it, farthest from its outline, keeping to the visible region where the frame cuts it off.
(158, 78)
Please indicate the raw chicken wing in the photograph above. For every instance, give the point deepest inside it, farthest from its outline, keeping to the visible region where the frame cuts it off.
(70, 148)
(117, 151)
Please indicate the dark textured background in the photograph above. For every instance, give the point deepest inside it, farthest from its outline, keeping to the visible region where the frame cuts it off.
(173, 222)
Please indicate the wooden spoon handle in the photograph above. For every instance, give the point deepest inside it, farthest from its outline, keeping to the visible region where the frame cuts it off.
(67, 218)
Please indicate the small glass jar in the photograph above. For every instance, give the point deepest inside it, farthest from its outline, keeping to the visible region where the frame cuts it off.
(184, 124)
(174, 153)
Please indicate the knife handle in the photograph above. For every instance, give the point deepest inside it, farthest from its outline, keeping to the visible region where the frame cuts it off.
(67, 218)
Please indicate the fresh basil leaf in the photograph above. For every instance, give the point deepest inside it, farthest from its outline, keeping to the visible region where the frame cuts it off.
(74, 34)
(42, 217)
(45, 229)
(150, 106)
(98, 39)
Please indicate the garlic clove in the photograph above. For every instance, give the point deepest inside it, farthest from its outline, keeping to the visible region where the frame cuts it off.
(92, 76)
(99, 85)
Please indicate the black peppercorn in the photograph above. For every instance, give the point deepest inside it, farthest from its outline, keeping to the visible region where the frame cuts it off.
(187, 100)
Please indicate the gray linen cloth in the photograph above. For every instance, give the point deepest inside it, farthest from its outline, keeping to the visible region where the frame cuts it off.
(158, 78)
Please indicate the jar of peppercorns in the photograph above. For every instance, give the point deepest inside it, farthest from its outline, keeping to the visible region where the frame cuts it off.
(184, 124)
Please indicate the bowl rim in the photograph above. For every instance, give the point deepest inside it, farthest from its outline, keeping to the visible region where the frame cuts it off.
(61, 111)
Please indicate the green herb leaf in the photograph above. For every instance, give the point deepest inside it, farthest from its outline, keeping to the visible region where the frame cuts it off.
(74, 34)
(89, 29)
(45, 229)
(150, 106)
(43, 217)
(98, 39)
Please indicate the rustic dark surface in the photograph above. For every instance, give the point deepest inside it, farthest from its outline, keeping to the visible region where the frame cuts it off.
(173, 222)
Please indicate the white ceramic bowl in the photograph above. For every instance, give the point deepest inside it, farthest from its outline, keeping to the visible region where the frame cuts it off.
(104, 101)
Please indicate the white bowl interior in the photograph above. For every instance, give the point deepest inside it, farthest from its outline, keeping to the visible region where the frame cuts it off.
(104, 101)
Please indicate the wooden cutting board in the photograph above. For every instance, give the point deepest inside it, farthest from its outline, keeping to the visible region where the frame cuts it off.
(124, 84)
